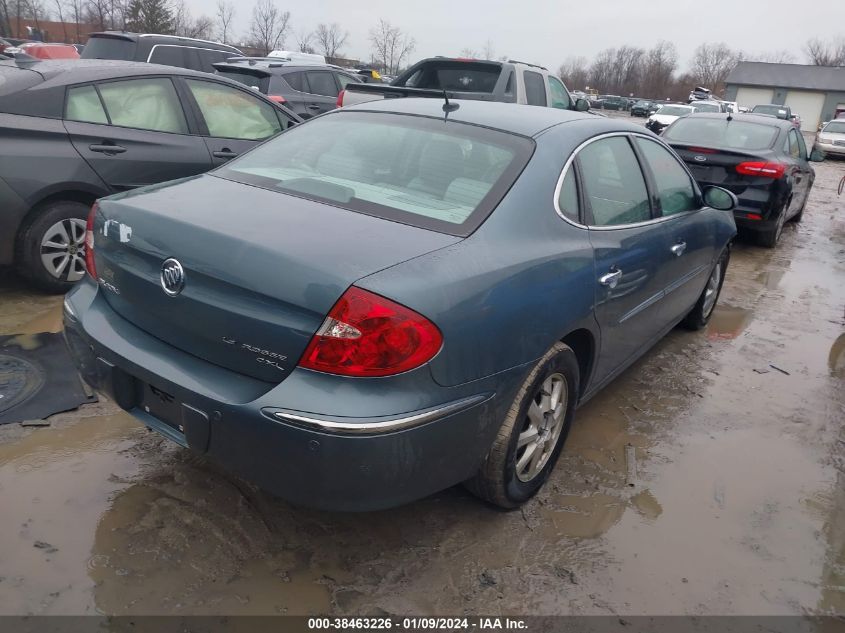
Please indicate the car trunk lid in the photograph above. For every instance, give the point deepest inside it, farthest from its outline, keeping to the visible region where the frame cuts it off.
(261, 268)
(711, 166)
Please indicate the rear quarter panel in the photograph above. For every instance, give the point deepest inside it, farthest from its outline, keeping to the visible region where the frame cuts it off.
(505, 294)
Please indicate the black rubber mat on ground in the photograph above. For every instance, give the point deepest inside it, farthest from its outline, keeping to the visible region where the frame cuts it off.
(37, 378)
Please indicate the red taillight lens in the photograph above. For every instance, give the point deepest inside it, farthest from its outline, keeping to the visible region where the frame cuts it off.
(368, 335)
(760, 168)
(277, 98)
(89, 242)
(339, 102)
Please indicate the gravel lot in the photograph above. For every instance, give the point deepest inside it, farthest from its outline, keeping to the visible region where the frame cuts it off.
(738, 507)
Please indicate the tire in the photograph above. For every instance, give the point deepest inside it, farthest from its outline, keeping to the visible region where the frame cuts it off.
(50, 247)
(497, 480)
(770, 238)
(703, 309)
(800, 215)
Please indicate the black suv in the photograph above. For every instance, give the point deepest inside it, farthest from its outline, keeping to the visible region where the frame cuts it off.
(168, 50)
(307, 89)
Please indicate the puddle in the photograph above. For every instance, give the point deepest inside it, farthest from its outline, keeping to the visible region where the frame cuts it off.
(727, 322)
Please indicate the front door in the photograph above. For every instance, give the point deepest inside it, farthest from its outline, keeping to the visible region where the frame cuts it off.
(133, 132)
(629, 251)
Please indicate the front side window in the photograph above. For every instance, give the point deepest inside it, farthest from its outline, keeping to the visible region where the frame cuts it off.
(535, 88)
(674, 187)
(146, 104)
(793, 149)
(613, 183)
(231, 113)
(560, 96)
(344, 80)
(322, 83)
(83, 104)
(444, 176)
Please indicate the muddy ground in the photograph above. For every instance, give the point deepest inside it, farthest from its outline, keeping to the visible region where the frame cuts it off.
(739, 504)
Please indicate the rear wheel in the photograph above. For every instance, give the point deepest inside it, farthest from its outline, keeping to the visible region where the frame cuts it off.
(800, 215)
(700, 315)
(51, 246)
(534, 431)
(770, 238)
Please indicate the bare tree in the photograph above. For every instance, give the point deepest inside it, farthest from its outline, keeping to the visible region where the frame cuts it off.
(390, 46)
(330, 39)
(824, 53)
(305, 41)
(772, 57)
(468, 53)
(659, 67)
(575, 73)
(711, 64)
(269, 26)
(60, 6)
(225, 15)
(488, 52)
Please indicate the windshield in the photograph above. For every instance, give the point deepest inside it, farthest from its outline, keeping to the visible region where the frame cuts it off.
(707, 107)
(718, 132)
(835, 127)
(109, 48)
(777, 111)
(669, 110)
(445, 176)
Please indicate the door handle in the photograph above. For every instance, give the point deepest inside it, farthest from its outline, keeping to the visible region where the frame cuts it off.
(224, 153)
(678, 249)
(107, 148)
(611, 279)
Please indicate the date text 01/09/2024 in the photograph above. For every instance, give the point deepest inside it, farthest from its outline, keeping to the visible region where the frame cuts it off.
(418, 624)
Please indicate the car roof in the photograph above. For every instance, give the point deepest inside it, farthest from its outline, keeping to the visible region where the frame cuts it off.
(765, 119)
(510, 117)
(134, 37)
(72, 71)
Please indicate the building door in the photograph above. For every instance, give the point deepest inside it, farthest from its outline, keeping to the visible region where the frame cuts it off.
(807, 105)
(749, 97)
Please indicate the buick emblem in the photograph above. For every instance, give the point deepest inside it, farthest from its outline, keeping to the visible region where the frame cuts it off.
(172, 277)
(699, 158)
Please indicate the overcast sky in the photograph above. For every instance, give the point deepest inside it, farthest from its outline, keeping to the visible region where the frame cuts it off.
(547, 32)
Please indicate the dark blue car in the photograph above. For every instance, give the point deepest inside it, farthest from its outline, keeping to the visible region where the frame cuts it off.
(397, 297)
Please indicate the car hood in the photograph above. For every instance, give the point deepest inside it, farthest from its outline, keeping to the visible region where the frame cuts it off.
(665, 119)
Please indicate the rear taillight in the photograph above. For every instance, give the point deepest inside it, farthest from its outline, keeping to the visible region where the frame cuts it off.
(89, 242)
(368, 335)
(760, 168)
(277, 99)
(339, 102)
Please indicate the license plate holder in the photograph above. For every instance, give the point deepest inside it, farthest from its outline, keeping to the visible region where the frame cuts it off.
(162, 405)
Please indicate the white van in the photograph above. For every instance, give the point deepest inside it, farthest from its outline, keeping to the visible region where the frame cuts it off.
(295, 56)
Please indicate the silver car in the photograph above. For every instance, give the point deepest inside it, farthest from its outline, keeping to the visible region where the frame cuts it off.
(831, 138)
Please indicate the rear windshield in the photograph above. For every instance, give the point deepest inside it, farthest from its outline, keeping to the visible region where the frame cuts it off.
(835, 127)
(675, 111)
(707, 107)
(718, 132)
(444, 176)
(109, 48)
(770, 109)
(455, 76)
(253, 80)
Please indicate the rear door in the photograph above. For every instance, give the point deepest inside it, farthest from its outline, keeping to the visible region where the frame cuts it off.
(322, 92)
(690, 244)
(231, 120)
(801, 172)
(629, 246)
(134, 132)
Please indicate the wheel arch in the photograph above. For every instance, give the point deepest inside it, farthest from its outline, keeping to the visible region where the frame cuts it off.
(79, 194)
(583, 344)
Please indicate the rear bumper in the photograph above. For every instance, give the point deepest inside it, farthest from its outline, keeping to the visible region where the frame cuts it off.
(310, 456)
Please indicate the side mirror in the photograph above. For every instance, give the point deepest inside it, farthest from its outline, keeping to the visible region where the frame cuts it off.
(817, 156)
(719, 198)
(582, 105)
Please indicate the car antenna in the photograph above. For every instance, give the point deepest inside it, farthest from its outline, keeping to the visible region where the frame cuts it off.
(449, 107)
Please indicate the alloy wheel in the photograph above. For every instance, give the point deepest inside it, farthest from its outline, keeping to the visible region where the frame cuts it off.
(63, 249)
(712, 290)
(542, 427)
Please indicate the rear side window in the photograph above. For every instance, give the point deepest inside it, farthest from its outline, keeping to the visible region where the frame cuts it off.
(169, 56)
(146, 104)
(535, 88)
(719, 132)
(230, 113)
(109, 48)
(613, 183)
(83, 104)
(792, 147)
(297, 81)
(674, 186)
(322, 83)
(442, 176)
(568, 199)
